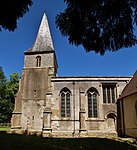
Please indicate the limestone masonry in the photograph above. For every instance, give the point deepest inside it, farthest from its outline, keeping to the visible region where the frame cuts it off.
(54, 106)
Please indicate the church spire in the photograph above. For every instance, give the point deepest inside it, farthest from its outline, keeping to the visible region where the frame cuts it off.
(43, 42)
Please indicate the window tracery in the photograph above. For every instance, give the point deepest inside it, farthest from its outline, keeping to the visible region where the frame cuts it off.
(38, 61)
(65, 95)
(92, 95)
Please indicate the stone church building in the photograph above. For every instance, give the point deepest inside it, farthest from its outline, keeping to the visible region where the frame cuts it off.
(49, 105)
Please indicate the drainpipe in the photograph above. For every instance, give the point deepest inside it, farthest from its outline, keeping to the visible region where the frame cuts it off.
(123, 117)
(73, 106)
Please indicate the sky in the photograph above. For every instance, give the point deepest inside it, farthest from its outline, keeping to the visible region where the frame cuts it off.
(72, 60)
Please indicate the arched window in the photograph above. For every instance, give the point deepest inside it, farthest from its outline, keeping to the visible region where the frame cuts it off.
(38, 61)
(65, 102)
(92, 103)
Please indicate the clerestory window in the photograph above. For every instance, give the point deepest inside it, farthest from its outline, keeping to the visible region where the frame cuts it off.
(38, 61)
(109, 93)
(92, 103)
(65, 95)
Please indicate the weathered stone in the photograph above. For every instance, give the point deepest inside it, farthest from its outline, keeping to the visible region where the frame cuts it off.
(38, 103)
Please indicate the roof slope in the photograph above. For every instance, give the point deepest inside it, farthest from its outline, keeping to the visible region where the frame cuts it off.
(43, 42)
(131, 87)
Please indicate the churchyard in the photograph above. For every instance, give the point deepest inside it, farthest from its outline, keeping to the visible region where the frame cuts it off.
(25, 142)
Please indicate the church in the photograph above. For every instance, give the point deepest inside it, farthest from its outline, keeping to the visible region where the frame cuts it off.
(60, 106)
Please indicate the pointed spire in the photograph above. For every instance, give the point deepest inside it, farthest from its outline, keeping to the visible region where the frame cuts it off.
(43, 40)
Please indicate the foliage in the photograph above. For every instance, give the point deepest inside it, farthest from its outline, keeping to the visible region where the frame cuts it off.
(11, 11)
(2, 76)
(99, 25)
(8, 90)
(6, 108)
(2, 83)
(5, 129)
(12, 86)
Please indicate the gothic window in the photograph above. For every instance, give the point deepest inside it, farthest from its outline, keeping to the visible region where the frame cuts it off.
(38, 61)
(92, 103)
(109, 93)
(65, 102)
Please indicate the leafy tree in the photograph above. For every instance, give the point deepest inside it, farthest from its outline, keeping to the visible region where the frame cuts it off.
(2, 94)
(2, 76)
(12, 86)
(8, 90)
(11, 11)
(99, 25)
(6, 109)
(2, 83)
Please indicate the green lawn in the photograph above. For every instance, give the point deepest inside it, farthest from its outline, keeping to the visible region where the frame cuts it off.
(4, 128)
(22, 142)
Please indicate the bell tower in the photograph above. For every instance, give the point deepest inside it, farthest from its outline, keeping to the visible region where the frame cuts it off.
(42, 53)
(32, 104)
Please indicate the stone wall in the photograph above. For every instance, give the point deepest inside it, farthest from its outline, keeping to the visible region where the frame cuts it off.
(47, 60)
(79, 121)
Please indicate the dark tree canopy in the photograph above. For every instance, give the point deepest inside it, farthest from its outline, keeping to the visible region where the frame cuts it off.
(99, 25)
(11, 11)
(2, 83)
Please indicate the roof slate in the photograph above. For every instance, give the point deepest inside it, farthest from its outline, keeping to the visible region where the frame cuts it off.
(43, 42)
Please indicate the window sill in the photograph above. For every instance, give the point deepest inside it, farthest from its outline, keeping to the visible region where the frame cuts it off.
(65, 119)
(109, 103)
(94, 119)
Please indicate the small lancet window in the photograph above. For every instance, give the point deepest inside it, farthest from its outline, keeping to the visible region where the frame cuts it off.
(38, 61)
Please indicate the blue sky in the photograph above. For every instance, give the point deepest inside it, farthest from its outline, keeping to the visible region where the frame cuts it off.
(72, 61)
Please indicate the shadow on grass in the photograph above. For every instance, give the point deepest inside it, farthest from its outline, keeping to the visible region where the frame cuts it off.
(23, 142)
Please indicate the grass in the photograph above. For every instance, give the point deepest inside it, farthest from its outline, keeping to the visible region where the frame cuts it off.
(23, 142)
(4, 128)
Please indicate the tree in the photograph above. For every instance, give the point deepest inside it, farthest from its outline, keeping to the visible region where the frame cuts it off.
(2, 96)
(99, 25)
(11, 11)
(6, 109)
(12, 86)
(2, 83)
(14, 83)
(8, 90)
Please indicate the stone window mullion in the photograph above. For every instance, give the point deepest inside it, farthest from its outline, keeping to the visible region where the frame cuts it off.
(110, 94)
(106, 95)
(92, 105)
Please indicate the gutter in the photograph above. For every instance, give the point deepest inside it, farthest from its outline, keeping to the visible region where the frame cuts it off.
(121, 98)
